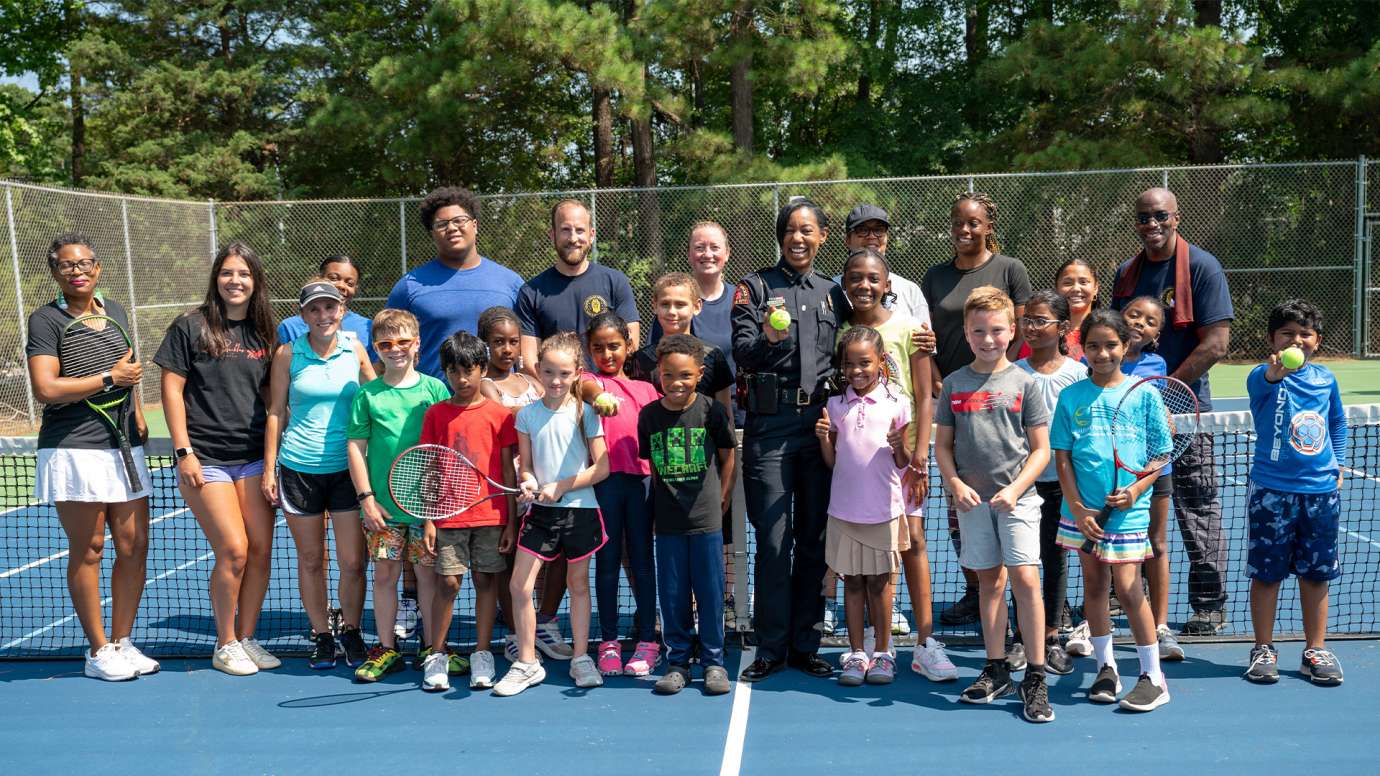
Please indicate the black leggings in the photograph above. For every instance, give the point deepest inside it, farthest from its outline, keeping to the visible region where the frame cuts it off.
(1054, 559)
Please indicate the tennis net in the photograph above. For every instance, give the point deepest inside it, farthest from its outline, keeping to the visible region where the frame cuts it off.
(36, 617)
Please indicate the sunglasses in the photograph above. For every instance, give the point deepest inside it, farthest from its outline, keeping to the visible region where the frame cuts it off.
(1159, 215)
(403, 343)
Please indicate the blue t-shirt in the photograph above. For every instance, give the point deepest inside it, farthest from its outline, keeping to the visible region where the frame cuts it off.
(552, 302)
(446, 300)
(1211, 304)
(560, 445)
(363, 328)
(1148, 365)
(320, 392)
(713, 324)
(1083, 426)
(1300, 429)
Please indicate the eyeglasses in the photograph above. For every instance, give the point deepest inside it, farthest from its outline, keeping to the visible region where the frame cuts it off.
(1159, 215)
(1036, 323)
(402, 343)
(459, 222)
(68, 267)
(870, 231)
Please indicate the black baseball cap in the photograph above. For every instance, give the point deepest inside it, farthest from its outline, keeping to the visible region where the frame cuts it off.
(864, 213)
(318, 290)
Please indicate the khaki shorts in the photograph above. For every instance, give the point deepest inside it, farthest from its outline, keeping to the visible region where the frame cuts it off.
(397, 543)
(465, 550)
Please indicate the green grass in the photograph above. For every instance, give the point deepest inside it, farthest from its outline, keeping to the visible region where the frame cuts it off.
(1359, 380)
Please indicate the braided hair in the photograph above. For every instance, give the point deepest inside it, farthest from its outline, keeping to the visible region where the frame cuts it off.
(990, 206)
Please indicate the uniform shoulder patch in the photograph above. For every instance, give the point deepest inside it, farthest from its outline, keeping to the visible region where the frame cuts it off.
(741, 295)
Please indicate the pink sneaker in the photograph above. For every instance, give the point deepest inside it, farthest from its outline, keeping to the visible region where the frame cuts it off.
(610, 658)
(644, 658)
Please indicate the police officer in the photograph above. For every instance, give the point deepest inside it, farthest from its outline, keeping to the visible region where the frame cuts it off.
(786, 374)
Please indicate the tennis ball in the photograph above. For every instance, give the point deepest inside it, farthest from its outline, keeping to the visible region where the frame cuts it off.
(1291, 358)
(779, 320)
(606, 402)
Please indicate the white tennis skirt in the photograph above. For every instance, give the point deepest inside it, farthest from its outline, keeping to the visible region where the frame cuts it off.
(97, 476)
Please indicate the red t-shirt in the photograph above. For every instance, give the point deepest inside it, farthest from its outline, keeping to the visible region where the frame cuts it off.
(482, 432)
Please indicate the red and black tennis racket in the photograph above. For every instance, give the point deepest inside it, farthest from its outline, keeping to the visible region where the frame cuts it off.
(435, 482)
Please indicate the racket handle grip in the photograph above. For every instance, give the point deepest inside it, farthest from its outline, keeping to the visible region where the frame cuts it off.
(131, 471)
(1102, 517)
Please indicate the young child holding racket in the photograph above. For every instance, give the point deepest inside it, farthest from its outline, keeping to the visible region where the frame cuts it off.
(563, 454)
(991, 442)
(386, 419)
(867, 529)
(1295, 495)
(622, 498)
(1081, 436)
(473, 541)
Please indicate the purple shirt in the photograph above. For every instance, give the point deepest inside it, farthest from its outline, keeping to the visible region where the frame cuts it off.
(867, 481)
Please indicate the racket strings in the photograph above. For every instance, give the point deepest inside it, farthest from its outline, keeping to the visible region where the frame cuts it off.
(433, 484)
(85, 351)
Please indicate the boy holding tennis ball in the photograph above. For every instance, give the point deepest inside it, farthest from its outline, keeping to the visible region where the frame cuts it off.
(1295, 496)
(385, 419)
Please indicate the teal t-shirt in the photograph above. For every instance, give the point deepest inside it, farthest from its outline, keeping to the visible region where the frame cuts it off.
(391, 419)
(319, 394)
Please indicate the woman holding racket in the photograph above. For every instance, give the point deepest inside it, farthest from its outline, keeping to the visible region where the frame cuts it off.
(1098, 424)
(215, 373)
(82, 368)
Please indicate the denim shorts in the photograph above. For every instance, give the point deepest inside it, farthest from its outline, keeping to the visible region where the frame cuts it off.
(234, 473)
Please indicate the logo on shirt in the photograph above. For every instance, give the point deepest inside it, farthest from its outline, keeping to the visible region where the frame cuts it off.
(677, 455)
(595, 304)
(1308, 433)
(981, 401)
(741, 294)
(1167, 297)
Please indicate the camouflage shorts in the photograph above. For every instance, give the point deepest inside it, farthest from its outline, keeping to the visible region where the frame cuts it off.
(1293, 533)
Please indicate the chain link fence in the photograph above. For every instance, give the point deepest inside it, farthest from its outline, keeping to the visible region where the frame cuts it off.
(1306, 229)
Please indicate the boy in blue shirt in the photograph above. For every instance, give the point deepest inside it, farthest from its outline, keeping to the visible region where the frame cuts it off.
(1295, 496)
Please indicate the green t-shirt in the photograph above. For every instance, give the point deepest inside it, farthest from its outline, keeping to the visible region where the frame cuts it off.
(391, 419)
(897, 344)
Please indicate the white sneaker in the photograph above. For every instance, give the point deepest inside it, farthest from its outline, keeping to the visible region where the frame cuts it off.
(520, 677)
(551, 641)
(932, 662)
(261, 657)
(408, 617)
(141, 663)
(510, 648)
(900, 626)
(109, 665)
(1079, 643)
(434, 675)
(585, 673)
(481, 670)
(1169, 646)
(233, 660)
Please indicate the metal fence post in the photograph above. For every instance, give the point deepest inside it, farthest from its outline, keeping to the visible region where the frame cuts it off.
(594, 224)
(402, 234)
(1359, 328)
(971, 185)
(19, 302)
(1164, 178)
(129, 286)
(211, 212)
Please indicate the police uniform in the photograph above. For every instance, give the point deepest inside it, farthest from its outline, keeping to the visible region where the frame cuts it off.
(784, 387)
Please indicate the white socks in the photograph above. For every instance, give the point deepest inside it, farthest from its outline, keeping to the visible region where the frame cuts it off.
(1102, 650)
(1150, 663)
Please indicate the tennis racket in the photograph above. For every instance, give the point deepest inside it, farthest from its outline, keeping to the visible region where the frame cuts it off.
(1154, 423)
(435, 482)
(92, 345)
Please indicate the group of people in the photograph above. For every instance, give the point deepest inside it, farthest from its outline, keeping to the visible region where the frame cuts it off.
(625, 453)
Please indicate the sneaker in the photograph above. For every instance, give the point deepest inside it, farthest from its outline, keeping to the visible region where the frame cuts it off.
(882, 670)
(1035, 697)
(408, 617)
(1015, 657)
(992, 683)
(855, 665)
(1057, 661)
(231, 659)
(261, 657)
(335, 620)
(141, 663)
(1114, 605)
(510, 648)
(519, 677)
(1065, 618)
(900, 626)
(964, 611)
(551, 642)
(1079, 642)
(482, 670)
(584, 672)
(646, 655)
(1106, 686)
(352, 642)
(931, 662)
(673, 681)
(1204, 623)
(380, 662)
(107, 664)
(1145, 696)
(831, 618)
(730, 614)
(457, 664)
(611, 658)
(323, 653)
(434, 676)
(1264, 667)
(1170, 650)
(716, 681)
(1321, 667)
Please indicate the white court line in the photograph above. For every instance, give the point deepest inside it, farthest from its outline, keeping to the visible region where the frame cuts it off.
(737, 723)
(63, 553)
(21, 508)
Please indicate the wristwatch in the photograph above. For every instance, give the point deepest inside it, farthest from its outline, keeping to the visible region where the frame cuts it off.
(182, 452)
(366, 494)
(107, 380)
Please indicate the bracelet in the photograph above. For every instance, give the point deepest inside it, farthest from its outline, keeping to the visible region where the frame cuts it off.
(364, 495)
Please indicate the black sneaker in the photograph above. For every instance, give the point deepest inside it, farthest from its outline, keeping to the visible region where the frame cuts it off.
(1106, 686)
(1321, 667)
(1065, 618)
(1145, 696)
(336, 620)
(964, 612)
(992, 683)
(1264, 667)
(323, 653)
(1205, 623)
(353, 645)
(1057, 661)
(1035, 695)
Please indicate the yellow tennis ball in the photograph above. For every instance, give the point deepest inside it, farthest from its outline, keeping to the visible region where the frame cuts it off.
(1291, 358)
(779, 320)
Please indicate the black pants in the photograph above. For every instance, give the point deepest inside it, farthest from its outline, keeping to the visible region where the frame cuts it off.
(1054, 560)
(1199, 511)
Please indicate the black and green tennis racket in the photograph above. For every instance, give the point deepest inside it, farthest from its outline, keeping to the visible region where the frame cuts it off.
(92, 345)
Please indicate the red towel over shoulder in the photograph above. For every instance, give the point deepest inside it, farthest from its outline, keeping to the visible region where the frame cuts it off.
(1183, 285)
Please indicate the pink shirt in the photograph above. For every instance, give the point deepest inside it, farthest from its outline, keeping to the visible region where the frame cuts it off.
(620, 431)
(867, 482)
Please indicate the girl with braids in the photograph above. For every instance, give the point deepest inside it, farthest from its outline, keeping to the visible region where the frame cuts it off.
(1076, 282)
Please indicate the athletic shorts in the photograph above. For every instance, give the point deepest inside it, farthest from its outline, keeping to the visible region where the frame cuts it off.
(1112, 548)
(992, 538)
(463, 550)
(1164, 486)
(1293, 533)
(398, 542)
(233, 473)
(312, 494)
(550, 532)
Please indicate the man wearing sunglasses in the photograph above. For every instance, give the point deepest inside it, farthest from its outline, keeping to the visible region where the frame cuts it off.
(1191, 284)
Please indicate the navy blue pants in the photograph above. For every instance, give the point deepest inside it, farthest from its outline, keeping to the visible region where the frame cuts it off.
(687, 563)
(627, 517)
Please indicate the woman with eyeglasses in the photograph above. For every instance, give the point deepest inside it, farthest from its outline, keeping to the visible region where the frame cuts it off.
(215, 362)
(80, 469)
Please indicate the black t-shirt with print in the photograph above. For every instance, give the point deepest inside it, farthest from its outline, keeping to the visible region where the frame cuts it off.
(683, 448)
(73, 425)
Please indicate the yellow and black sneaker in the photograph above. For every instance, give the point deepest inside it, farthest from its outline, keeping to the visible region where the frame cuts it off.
(382, 660)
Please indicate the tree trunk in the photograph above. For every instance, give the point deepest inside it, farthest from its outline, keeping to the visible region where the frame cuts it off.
(1207, 13)
(740, 79)
(869, 58)
(694, 73)
(603, 138)
(648, 203)
(73, 21)
(975, 18)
